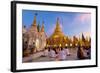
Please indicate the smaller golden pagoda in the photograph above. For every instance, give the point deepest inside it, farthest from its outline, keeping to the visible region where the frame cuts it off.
(57, 38)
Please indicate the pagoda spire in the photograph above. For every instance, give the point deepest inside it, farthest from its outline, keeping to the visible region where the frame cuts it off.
(42, 28)
(34, 21)
(38, 27)
(34, 24)
(58, 29)
(57, 32)
(83, 38)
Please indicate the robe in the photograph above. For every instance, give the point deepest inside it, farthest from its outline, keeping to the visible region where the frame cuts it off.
(52, 54)
(62, 55)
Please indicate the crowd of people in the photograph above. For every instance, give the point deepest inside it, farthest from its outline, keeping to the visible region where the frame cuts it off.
(57, 53)
(60, 53)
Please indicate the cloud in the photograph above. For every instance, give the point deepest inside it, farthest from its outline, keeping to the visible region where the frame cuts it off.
(83, 18)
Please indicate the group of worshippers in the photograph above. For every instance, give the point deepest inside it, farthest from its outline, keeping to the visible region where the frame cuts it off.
(58, 53)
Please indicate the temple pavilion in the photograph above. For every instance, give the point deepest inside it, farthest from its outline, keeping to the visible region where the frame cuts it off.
(57, 39)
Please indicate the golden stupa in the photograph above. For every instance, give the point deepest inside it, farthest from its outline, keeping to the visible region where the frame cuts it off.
(57, 38)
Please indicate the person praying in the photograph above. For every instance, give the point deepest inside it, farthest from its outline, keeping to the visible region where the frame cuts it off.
(62, 54)
(46, 52)
(67, 51)
(52, 53)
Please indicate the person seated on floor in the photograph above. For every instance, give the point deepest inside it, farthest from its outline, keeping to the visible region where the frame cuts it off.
(62, 54)
(52, 53)
(46, 52)
(67, 51)
(80, 53)
(88, 52)
(57, 53)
